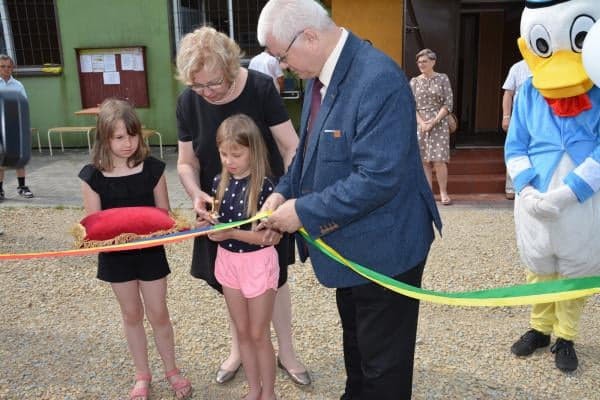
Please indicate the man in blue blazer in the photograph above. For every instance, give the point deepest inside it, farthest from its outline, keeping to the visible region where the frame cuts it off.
(357, 183)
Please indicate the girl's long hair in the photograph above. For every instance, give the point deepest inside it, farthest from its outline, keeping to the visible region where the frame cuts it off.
(111, 111)
(241, 130)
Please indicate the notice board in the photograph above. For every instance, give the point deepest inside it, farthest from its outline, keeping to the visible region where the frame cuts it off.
(113, 72)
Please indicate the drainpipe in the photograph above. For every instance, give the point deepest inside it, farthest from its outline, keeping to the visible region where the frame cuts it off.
(230, 16)
(8, 38)
(176, 23)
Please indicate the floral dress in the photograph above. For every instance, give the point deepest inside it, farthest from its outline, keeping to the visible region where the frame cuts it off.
(430, 95)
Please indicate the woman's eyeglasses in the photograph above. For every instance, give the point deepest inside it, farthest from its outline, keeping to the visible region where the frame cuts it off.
(209, 85)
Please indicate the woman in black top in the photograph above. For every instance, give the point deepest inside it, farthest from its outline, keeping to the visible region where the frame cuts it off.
(208, 62)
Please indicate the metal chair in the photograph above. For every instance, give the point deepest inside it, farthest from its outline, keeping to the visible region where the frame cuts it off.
(36, 131)
(147, 133)
(87, 130)
(292, 89)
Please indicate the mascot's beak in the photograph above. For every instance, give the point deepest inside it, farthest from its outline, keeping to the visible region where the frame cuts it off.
(559, 76)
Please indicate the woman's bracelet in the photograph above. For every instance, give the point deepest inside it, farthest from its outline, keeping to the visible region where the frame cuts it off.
(506, 117)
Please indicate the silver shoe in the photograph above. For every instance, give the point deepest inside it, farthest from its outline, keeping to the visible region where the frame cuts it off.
(224, 376)
(299, 378)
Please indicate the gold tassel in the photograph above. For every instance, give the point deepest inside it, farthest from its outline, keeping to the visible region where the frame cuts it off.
(78, 232)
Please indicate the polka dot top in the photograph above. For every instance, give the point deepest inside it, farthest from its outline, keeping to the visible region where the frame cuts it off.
(233, 208)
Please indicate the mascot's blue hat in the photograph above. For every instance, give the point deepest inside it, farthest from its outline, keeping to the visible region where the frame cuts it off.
(542, 3)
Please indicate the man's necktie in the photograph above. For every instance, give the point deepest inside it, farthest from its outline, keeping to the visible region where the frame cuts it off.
(315, 105)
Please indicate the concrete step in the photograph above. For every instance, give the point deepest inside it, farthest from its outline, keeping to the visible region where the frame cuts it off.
(474, 183)
(475, 171)
(476, 166)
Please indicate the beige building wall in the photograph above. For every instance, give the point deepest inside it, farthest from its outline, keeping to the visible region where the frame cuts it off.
(380, 21)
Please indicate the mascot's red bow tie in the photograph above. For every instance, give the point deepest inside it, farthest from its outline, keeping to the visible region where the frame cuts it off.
(570, 106)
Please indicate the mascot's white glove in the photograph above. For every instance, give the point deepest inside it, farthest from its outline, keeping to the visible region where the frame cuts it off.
(555, 201)
(533, 203)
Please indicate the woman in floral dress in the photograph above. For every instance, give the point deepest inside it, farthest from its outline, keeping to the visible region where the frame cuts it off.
(433, 95)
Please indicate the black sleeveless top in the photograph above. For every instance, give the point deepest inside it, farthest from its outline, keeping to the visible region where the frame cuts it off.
(125, 191)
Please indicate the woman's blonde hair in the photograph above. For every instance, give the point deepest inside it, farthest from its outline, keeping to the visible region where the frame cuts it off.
(427, 53)
(111, 111)
(207, 49)
(240, 129)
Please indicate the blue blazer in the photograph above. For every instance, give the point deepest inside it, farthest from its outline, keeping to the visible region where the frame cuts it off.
(360, 186)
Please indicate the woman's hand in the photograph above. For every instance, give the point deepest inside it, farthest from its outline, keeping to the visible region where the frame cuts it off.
(426, 126)
(203, 204)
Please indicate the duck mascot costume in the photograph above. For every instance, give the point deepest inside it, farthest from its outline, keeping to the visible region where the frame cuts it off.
(552, 153)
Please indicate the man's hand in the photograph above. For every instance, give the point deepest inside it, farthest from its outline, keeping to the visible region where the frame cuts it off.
(271, 204)
(284, 218)
(505, 123)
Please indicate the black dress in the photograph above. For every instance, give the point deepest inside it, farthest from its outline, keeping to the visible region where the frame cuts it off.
(198, 120)
(128, 191)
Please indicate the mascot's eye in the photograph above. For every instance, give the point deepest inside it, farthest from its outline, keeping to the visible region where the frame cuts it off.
(539, 41)
(579, 29)
(541, 45)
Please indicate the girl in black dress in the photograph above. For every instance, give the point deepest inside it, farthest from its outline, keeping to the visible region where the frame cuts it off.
(122, 174)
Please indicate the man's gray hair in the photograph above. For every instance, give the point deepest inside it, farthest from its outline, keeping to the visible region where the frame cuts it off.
(284, 19)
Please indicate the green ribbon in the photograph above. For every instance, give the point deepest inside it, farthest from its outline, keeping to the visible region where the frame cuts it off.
(535, 293)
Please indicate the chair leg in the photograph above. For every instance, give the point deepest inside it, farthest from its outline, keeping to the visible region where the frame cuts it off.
(160, 144)
(88, 140)
(37, 133)
(50, 144)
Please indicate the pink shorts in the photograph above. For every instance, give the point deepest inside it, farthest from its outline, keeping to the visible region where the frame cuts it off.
(253, 273)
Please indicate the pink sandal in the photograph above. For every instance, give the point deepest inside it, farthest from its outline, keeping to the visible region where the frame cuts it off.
(141, 391)
(179, 384)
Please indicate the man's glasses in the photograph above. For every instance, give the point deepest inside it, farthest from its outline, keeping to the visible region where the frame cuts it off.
(282, 58)
(209, 85)
(5, 66)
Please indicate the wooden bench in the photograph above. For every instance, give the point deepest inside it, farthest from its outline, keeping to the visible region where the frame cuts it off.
(147, 133)
(87, 130)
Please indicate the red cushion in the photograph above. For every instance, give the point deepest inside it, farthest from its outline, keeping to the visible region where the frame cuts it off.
(107, 224)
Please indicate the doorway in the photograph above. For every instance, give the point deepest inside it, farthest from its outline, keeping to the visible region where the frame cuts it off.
(476, 45)
(487, 49)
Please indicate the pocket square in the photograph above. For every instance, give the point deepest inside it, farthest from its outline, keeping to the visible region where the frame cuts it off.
(335, 133)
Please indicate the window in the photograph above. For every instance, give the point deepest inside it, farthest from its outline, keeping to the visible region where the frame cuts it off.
(29, 33)
(191, 14)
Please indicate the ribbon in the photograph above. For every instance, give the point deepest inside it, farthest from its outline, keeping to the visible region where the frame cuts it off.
(137, 244)
(535, 293)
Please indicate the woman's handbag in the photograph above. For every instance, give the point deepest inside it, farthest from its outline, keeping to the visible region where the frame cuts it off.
(452, 122)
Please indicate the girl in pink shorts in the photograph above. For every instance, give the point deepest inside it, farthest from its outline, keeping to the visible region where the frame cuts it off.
(246, 265)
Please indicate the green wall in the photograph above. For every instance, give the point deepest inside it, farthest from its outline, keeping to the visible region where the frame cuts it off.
(111, 23)
(107, 23)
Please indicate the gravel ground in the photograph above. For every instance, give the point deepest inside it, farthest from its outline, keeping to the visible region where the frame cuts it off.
(61, 338)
